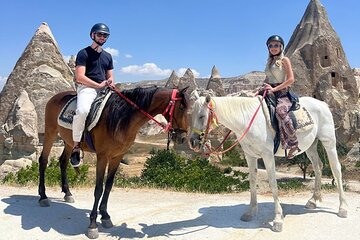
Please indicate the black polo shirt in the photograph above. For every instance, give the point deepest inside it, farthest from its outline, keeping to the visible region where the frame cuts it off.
(96, 64)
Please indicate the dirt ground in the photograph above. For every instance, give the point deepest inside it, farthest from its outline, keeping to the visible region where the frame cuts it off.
(156, 214)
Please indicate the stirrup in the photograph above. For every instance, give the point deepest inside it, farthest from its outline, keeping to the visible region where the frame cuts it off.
(75, 159)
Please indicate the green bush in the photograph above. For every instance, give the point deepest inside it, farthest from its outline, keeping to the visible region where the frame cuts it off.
(291, 184)
(30, 175)
(166, 169)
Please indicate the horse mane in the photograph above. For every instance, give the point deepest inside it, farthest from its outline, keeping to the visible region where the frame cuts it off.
(119, 111)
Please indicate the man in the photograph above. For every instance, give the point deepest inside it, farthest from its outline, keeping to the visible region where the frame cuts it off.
(93, 71)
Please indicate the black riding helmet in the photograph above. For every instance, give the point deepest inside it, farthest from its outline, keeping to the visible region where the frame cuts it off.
(99, 27)
(275, 38)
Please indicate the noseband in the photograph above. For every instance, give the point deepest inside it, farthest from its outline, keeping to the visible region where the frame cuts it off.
(170, 111)
(212, 123)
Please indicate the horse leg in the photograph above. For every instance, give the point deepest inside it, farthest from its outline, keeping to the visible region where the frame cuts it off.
(253, 208)
(313, 155)
(330, 147)
(270, 169)
(100, 172)
(105, 217)
(64, 180)
(50, 136)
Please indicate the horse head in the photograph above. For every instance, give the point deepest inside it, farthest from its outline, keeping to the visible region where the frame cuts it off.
(179, 120)
(200, 114)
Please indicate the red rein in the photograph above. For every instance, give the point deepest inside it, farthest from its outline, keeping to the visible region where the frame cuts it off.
(169, 109)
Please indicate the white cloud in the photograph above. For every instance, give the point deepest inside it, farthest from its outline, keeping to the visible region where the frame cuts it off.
(112, 51)
(154, 70)
(146, 69)
(128, 56)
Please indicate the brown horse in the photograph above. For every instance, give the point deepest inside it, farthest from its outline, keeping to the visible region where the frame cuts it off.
(112, 137)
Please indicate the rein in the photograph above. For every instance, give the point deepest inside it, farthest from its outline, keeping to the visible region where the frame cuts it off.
(210, 119)
(169, 109)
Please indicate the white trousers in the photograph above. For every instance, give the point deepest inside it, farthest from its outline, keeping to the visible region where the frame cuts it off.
(85, 97)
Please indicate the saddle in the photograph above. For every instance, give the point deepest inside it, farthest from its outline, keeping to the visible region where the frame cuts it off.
(300, 117)
(66, 115)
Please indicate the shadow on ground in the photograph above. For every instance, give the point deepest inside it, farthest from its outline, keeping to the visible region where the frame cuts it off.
(60, 216)
(225, 217)
(68, 220)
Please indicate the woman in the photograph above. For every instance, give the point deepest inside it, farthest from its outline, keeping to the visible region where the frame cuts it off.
(279, 76)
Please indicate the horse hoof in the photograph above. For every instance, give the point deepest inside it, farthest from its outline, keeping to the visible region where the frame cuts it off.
(277, 227)
(342, 213)
(106, 223)
(246, 217)
(92, 233)
(310, 205)
(69, 199)
(44, 202)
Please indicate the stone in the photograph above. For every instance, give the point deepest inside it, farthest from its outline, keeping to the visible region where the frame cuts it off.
(322, 71)
(215, 83)
(188, 80)
(21, 138)
(173, 81)
(41, 71)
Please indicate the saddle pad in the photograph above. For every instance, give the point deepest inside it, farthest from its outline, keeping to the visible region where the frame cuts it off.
(66, 115)
(301, 118)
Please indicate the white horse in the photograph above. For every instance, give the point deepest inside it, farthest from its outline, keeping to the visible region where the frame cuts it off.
(235, 113)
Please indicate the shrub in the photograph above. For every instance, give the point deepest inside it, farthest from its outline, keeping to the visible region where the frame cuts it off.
(291, 184)
(30, 175)
(166, 169)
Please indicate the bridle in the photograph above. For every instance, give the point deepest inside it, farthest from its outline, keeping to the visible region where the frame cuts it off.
(211, 124)
(213, 121)
(169, 111)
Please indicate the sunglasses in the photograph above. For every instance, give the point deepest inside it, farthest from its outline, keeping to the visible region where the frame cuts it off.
(274, 46)
(105, 35)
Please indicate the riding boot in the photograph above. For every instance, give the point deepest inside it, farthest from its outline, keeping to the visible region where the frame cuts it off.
(75, 156)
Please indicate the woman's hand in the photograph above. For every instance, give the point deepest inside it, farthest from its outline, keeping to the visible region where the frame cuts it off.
(269, 88)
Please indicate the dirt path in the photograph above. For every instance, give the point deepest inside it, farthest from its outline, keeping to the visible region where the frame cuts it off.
(155, 214)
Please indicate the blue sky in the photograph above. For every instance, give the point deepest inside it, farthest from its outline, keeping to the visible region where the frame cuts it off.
(150, 38)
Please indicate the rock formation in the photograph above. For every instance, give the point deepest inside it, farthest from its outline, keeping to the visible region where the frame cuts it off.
(19, 135)
(322, 71)
(357, 77)
(188, 80)
(215, 83)
(173, 81)
(41, 71)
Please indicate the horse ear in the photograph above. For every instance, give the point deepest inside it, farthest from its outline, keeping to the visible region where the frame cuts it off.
(207, 99)
(184, 89)
(194, 95)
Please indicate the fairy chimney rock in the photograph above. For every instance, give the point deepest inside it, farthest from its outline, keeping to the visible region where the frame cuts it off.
(20, 132)
(173, 81)
(215, 83)
(41, 71)
(72, 63)
(322, 71)
(188, 80)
